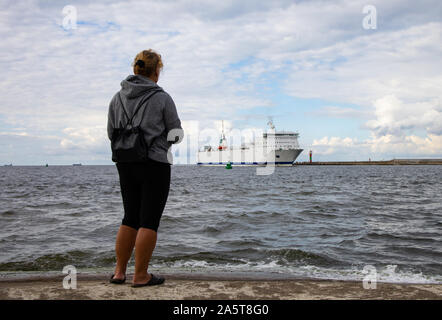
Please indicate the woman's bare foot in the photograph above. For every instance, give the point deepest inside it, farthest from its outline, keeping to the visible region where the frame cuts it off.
(140, 279)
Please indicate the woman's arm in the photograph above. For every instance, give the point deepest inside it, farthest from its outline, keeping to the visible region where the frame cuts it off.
(110, 119)
(172, 121)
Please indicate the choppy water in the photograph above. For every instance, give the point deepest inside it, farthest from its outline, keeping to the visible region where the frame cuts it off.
(316, 222)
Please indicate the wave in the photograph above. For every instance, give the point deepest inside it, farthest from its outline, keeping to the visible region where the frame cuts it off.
(386, 273)
(296, 255)
(389, 236)
(284, 256)
(285, 261)
(56, 261)
(8, 213)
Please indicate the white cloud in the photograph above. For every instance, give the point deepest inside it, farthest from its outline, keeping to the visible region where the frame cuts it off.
(393, 116)
(379, 147)
(394, 76)
(431, 145)
(90, 138)
(392, 132)
(333, 145)
(361, 70)
(216, 56)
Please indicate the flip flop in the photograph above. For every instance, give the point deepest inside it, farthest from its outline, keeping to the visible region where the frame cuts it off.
(154, 280)
(117, 281)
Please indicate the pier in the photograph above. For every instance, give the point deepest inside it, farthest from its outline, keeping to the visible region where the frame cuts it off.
(387, 162)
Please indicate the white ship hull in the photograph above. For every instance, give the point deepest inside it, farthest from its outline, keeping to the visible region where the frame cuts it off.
(247, 157)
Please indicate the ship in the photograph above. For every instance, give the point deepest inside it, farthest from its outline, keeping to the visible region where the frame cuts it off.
(280, 148)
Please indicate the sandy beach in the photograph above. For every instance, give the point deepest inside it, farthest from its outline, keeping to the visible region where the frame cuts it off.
(189, 287)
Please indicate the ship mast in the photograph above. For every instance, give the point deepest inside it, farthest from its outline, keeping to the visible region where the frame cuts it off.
(222, 144)
(270, 123)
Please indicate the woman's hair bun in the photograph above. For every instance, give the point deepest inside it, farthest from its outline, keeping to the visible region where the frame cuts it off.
(147, 62)
(140, 63)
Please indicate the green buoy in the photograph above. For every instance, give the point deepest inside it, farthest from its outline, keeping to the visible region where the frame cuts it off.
(229, 165)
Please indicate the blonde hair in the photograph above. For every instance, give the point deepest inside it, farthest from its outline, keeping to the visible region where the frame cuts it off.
(146, 62)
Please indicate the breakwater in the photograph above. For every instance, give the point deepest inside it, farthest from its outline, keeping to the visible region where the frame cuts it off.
(388, 162)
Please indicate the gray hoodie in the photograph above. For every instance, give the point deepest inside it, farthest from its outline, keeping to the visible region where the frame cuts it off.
(159, 118)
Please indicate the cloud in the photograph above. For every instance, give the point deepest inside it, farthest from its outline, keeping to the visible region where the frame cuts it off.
(379, 147)
(394, 76)
(430, 145)
(394, 117)
(89, 138)
(218, 56)
(361, 70)
(23, 148)
(392, 132)
(333, 145)
(340, 112)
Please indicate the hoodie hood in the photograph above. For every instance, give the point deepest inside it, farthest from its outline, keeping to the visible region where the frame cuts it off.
(135, 86)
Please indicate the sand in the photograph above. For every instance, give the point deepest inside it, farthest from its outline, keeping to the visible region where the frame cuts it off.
(189, 287)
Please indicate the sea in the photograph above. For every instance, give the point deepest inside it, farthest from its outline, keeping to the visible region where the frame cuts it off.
(309, 222)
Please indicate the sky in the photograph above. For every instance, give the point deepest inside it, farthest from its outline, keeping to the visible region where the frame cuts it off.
(356, 84)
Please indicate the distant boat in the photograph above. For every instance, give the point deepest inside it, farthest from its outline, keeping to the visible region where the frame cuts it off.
(77, 164)
(8, 165)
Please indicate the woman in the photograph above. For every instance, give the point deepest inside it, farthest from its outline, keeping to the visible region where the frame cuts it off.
(144, 185)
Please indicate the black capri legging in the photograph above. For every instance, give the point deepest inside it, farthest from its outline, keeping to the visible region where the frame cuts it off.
(144, 189)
